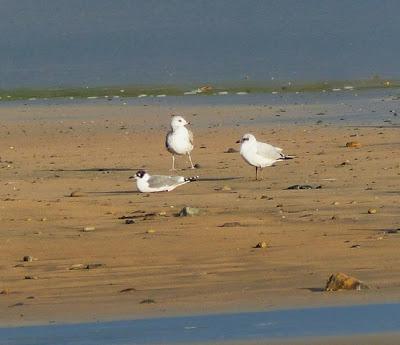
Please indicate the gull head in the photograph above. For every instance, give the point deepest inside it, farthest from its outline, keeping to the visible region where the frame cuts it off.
(139, 175)
(247, 138)
(178, 121)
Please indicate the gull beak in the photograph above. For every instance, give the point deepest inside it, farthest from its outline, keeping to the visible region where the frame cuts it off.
(238, 141)
(130, 177)
(188, 123)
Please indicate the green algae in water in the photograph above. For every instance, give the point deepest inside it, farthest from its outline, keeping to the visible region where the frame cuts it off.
(179, 90)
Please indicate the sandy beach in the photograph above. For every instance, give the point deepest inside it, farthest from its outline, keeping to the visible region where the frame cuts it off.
(168, 265)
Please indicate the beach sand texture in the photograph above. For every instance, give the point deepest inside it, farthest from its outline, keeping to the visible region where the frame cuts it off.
(204, 263)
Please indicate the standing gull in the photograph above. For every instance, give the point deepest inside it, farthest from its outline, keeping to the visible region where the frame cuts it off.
(260, 154)
(179, 140)
(159, 183)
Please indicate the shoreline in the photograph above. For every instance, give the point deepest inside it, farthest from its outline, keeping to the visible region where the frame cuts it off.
(160, 91)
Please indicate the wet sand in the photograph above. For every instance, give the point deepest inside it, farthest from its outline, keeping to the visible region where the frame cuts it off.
(370, 339)
(190, 265)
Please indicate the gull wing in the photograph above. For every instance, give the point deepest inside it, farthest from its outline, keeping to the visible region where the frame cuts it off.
(190, 136)
(268, 151)
(167, 138)
(159, 181)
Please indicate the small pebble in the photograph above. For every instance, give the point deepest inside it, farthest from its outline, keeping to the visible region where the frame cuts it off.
(354, 144)
(28, 258)
(189, 211)
(261, 245)
(371, 211)
(88, 228)
(31, 277)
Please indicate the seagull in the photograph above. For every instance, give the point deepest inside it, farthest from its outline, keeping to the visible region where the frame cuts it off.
(260, 154)
(159, 183)
(179, 140)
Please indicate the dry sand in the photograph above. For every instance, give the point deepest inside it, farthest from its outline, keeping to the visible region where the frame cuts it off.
(189, 264)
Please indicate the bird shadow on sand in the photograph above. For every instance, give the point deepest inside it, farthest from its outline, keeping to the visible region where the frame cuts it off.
(228, 178)
(93, 169)
(313, 289)
(115, 192)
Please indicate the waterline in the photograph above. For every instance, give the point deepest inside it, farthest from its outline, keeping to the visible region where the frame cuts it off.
(254, 326)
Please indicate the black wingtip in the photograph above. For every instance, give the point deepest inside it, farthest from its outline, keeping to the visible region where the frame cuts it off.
(191, 179)
(284, 157)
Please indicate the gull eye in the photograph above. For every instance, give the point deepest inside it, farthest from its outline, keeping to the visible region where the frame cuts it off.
(180, 120)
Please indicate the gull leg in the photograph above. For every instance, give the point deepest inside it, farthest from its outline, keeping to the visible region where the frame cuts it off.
(261, 177)
(173, 163)
(256, 173)
(190, 159)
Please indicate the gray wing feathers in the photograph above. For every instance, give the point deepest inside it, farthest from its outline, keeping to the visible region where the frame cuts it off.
(191, 137)
(268, 151)
(157, 181)
(167, 144)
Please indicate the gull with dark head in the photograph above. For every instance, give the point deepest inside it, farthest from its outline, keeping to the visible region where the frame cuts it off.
(179, 140)
(147, 183)
(258, 154)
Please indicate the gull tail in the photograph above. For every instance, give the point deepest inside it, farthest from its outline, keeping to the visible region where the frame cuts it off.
(284, 157)
(191, 179)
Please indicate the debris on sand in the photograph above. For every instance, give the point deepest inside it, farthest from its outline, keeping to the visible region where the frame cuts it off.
(31, 277)
(85, 266)
(354, 144)
(304, 186)
(261, 245)
(147, 301)
(230, 225)
(88, 229)
(28, 258)
(371, 211)
(189, 211)
(341, 281)
(127, 290)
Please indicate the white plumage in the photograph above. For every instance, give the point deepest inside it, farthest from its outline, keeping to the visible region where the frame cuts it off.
(147, 183)
(258, 154)
(179, 140)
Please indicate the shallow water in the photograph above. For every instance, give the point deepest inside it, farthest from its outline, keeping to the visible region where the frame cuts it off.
(251, 326)
(366, 107)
